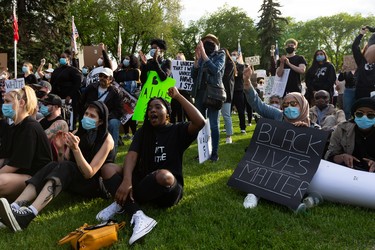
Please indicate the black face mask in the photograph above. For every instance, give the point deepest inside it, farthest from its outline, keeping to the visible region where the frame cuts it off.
(289, 50)
(209, 47)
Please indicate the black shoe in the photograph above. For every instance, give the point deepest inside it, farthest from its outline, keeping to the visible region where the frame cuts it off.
(16, 220)
(214, 157)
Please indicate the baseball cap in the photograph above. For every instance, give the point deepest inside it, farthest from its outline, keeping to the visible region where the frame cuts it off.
(52, 99)
(106, 71)
(42, 84)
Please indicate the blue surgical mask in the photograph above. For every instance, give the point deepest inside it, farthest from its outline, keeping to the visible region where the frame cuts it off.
(88, 123)
(291, 112)
(320, 58)
(84, 71)
(25, 69)
(8, 110)
(62, 61)
(152, 52)
(44, 110)
(364, 122)
(126, 62)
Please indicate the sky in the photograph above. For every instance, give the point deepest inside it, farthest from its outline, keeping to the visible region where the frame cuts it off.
(301, 10)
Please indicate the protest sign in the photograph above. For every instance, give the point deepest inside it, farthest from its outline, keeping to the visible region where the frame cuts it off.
(93, 76)
(280, 162)
(181, 72)
(14, 84)
(153, 87)
(204, 142)
(128, 103)
(279, 83)
(91, 55)
(252, 60)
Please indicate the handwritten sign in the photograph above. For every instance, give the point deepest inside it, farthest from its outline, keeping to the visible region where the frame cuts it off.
(204, 142)
(252, 60)
(14, 84)
(279, 83)
(280, 162)
(153, 87)
(181, 72)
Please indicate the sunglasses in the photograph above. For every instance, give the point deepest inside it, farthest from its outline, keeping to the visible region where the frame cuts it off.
(360, 114)
(291, 103)
(321, 97)
(274, 102)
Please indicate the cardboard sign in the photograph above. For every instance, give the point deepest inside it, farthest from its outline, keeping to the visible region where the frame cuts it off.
(91, 55)
(252, 60)
(349, 63)
(280, 162)
(128, 104)
(181, 72)
(153, 87)
(14, 84)
(204, 142)
(3, 61)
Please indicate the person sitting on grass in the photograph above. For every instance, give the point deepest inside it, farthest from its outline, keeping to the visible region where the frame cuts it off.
(152, 170)
(351, 143)
(294, 109)
(86, 153)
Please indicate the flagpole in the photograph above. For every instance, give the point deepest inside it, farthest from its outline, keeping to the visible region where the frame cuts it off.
(15, 41)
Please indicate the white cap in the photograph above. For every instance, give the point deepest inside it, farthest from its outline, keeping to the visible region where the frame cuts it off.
(106, 71)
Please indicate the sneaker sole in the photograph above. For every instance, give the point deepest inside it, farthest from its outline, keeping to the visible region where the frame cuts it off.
(7, 216)
(143, 233)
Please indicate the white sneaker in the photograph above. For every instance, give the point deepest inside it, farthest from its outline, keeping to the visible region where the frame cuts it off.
(109, 212)
(251, 201)
(228, 140)
(142, 226)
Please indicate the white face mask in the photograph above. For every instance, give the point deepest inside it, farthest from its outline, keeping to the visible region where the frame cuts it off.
(275, 105)
(100, 62)
(234, 58)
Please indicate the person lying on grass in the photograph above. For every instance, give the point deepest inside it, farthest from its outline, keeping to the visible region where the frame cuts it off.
(294, 109)
(152, 170)
(87, 151)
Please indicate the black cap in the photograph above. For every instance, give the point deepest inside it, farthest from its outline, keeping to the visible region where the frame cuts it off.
(364, 102)
(52, 99)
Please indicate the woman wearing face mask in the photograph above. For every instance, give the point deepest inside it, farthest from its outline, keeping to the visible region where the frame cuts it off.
(86, 153)
(320, 76)
(352, 142)
(209, 66)
(294, 109)
(25, 147)
(28, 74)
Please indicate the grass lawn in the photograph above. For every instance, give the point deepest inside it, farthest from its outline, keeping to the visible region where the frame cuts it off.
(210, 215)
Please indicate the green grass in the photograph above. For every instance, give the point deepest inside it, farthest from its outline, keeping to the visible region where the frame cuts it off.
(210, 215)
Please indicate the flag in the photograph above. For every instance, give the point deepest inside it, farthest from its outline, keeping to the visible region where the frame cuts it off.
(277, 56)
(119, 44)
(75, 35)
(15, 28)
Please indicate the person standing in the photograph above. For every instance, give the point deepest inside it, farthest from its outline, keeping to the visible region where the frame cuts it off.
(209, 66)
(66, 82)
(320, 76)
(28, 74)
(296, 64)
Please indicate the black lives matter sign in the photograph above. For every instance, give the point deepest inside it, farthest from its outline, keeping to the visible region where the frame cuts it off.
(280, 162)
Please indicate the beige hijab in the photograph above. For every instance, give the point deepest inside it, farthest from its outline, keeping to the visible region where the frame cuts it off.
(304, 108)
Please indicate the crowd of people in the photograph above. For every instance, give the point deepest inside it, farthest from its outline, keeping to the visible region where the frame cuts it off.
(46, 148)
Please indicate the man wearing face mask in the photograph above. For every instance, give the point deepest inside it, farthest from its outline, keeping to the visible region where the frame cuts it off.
(53, 122)
(66, 82)
(209, 66)
(324, 113)
(296, 64)
(108, 94)
(352, 142)
(156, 62)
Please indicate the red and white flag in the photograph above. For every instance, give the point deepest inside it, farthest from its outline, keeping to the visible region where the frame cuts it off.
(75, 35)
(15, 28)
(119, 44)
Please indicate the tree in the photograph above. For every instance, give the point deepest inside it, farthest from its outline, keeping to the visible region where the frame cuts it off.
(269, 28)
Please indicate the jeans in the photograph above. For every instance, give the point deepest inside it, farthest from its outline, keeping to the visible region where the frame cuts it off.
(114, 130)
(349, 98)
(213, 116)
(226, 113)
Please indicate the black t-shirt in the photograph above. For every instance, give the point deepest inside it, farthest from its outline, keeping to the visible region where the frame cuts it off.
(171, 142)
(294, 80)
(27, 147)
(46, 124)
(31, 79)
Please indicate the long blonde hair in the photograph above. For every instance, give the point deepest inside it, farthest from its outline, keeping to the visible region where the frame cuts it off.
(28, 95)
